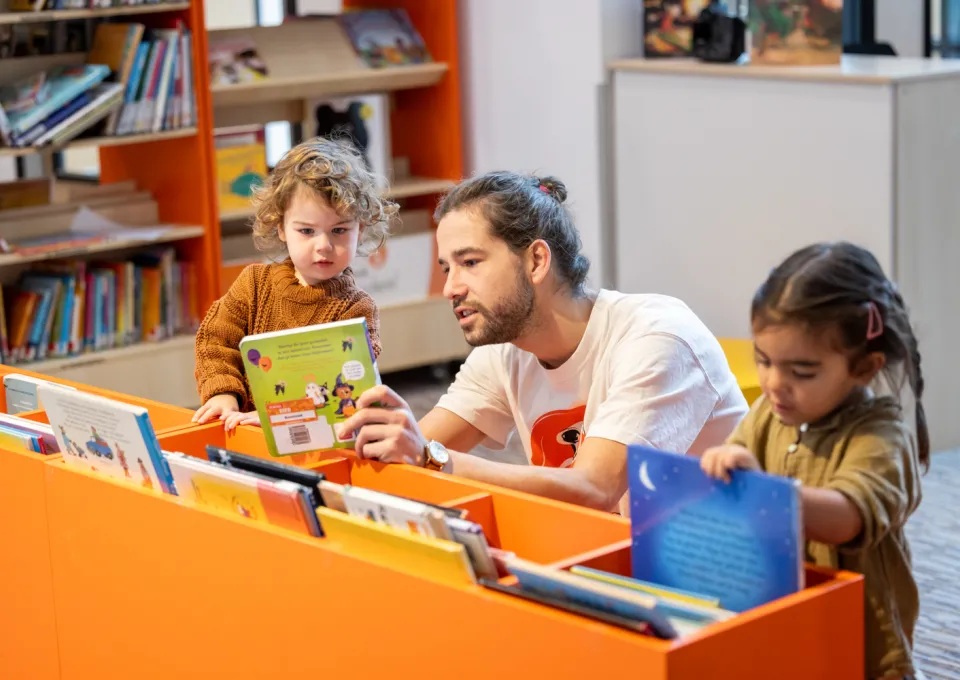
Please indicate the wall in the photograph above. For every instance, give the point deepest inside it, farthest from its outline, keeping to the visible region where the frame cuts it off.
(900, 22)
(535, 97)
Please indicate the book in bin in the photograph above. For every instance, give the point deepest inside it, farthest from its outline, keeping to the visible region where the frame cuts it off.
(741, 542)
(306, 380)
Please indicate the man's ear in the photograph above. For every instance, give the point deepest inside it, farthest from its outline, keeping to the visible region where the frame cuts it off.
(867, 368)
(539, 257)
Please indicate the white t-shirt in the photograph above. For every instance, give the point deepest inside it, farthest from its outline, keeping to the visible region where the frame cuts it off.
(647, 371)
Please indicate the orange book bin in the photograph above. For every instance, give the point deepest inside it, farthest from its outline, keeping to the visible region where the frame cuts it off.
(133, 583)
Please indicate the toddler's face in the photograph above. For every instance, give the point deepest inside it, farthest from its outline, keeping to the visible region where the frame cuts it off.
(321, 243)
(802, 375)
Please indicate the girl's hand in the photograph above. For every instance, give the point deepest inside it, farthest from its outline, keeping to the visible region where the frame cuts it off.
(718, 461)
(216, 407)
(235, 419)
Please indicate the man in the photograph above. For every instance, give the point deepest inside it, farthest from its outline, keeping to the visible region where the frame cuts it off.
(578, 375)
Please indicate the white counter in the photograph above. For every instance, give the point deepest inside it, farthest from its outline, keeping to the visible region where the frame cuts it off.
(721, 171)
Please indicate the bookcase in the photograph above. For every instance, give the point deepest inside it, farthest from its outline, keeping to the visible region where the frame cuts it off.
(174, 170)
(312, 57)
(103, 579)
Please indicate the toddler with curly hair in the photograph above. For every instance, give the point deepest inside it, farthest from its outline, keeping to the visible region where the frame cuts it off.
(318, 207)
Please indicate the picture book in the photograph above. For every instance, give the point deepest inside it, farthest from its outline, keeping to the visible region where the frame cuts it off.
(362, 119)
(21, 392)
(668, 26)
(796, 32)
(106, 436)
(741, 542)
(399, 513)
(32, 435)
(280, 503)
(234, 61)
(306, 380)
(559, 583)
(384, 37)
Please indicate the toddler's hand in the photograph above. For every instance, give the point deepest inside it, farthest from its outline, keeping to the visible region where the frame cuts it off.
(235, 419)
(216, 407)
(718, 461)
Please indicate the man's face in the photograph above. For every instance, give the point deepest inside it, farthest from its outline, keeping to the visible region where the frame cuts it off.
(491, 295)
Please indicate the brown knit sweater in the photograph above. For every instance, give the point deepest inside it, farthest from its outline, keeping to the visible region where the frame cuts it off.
(265, 298)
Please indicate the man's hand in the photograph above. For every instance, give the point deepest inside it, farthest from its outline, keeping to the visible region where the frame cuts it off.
(718, 461)
(216, 407)
(386, 428)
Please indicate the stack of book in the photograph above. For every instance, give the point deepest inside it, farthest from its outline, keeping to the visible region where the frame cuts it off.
(134, 80)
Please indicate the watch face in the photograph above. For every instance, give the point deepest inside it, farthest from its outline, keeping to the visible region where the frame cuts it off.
(438, 453)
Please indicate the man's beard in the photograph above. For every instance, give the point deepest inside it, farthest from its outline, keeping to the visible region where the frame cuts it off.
(509, 318)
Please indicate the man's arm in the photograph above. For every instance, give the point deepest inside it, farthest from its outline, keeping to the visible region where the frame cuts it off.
(451, 430)
(598, 478)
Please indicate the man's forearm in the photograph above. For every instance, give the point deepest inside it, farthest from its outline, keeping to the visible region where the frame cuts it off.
(562, 484)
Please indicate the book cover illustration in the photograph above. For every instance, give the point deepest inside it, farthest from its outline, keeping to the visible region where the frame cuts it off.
(241, 160)
(363, 119)
(385, 37)
(306, 380)
(235, 61)
(234, 492)
(740, 542)
(668, 26)
(796, 32)
(106, 436)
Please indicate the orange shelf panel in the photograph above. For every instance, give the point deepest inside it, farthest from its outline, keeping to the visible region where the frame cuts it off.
(28, 633)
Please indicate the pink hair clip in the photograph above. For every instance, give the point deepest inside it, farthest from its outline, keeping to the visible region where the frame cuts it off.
(874, 321)
(544, 189)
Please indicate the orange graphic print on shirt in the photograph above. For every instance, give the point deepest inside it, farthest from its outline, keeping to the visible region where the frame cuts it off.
(556, 436)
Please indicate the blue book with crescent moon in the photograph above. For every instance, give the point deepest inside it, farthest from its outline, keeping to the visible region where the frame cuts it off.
(740, 542)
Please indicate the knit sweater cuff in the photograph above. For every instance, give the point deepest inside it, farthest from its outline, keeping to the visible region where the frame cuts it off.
(223, 384)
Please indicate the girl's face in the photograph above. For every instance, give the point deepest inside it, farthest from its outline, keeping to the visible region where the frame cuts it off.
(803, 375)
(320, 242)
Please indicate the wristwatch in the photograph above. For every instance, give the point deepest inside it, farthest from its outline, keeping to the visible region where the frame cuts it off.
(435, 456)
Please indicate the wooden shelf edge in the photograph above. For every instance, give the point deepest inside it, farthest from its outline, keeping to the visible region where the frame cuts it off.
(175, 234)
(49, 366)
(118, 140)
(405, 188)
(357, 81)
(66, 14)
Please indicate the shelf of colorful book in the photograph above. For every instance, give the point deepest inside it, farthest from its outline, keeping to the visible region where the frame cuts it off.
(98, 13)
(111, 140)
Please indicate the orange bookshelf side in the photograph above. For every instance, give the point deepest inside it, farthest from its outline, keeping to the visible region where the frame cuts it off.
(28, 632)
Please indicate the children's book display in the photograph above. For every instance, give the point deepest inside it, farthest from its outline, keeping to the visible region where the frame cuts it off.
(306, 380)
(740, 543)
(106, 436)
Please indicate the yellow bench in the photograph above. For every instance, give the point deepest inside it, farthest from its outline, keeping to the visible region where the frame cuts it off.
(740, 357)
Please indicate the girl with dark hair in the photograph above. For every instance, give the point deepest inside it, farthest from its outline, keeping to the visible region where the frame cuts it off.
(826, 323)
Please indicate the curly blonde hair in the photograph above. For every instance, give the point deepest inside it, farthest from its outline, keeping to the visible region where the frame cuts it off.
(333, 169)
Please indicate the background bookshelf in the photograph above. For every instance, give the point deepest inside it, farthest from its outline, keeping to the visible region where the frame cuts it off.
(312, 58)
(158, 178)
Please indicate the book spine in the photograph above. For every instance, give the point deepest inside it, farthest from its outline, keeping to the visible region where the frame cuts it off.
(156, 455)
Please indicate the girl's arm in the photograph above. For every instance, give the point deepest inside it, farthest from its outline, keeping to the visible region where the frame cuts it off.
(878, 478)
(219, 364)
(829, 516)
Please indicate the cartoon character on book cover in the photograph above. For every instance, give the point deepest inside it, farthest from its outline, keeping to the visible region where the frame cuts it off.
(796, 32)
(305, 381)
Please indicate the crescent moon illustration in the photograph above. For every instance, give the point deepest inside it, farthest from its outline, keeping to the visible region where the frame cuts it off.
(645, 477)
